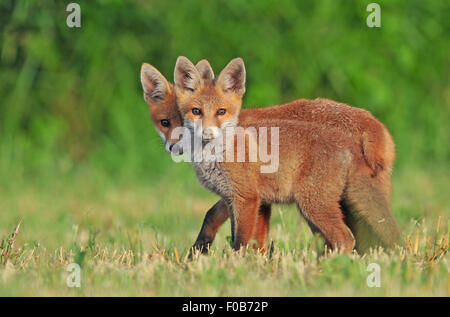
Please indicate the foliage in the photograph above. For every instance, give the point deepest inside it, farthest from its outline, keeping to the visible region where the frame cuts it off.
(72, 96)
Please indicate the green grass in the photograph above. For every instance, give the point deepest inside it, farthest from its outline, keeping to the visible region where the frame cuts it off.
(131, 239)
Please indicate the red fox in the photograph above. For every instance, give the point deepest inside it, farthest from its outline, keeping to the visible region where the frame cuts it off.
(375, 143)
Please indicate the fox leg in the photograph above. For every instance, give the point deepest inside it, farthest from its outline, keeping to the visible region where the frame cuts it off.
(262, 227)
(328, 220)
(311, 226)
(244, 220)
(319, 204)
(214, 219)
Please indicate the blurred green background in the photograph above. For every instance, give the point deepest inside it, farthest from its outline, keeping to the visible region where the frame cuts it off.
(71, 98)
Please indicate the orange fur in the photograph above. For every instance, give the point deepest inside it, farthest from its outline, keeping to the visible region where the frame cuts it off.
(314, 171)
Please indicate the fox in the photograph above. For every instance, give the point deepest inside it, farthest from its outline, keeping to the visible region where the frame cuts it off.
(318, 170)
(366, 228)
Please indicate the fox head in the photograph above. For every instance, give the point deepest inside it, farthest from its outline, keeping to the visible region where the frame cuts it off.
(160, 96)
(208, 106)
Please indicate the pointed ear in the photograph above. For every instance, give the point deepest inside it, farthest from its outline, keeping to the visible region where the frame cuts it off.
(232, 77)
(155, 85)
(187, 79)
(205, 70)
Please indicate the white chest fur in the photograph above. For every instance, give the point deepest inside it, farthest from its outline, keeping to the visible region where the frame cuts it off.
(213, 177)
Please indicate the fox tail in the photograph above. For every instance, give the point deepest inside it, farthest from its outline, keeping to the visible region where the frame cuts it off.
(378, 148)
(369, 216)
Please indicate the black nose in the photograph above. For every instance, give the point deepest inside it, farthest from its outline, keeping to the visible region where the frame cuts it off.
(171, 147)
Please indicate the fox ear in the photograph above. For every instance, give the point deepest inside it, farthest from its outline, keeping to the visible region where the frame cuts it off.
(186, 76)
(232, 77)
(155, 85)
(205, 70)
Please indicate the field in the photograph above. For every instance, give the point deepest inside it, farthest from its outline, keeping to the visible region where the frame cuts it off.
(131, 239)
(84, 177)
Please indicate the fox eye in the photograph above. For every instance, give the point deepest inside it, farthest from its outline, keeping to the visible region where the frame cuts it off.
(165, 123)
(196, 111)
(221, 111)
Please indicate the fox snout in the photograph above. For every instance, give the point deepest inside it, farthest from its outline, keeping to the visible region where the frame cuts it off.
(210, 133)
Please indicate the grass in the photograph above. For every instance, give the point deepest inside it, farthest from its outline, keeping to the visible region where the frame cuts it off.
(131, 239)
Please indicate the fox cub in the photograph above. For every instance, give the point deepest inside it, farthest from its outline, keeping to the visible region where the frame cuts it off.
(369, 134)
(320, 168)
